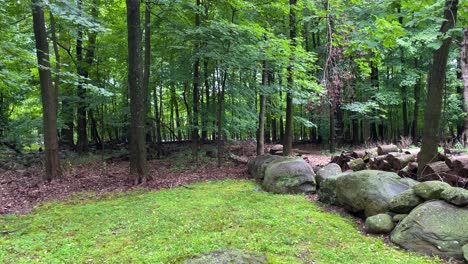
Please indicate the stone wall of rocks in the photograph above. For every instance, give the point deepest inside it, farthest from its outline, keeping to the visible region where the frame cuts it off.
(429, 217)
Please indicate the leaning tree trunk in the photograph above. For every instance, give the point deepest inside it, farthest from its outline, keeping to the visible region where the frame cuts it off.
(138, 165)
(434, 95)
(288, 133)
(48, 94)
(464, 67)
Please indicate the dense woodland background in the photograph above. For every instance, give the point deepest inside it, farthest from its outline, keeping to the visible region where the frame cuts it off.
(149, 72)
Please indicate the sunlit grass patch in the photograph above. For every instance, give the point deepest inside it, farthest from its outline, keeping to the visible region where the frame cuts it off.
(171, 225)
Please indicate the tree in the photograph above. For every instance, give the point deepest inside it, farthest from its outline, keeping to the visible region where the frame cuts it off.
(48, 94)
(435, 89)
(288, 134)
(464, 67)
(138, 95)
(261, 115)
(196, 84)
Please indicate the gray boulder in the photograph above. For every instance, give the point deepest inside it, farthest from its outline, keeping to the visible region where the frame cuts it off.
(289, 175)
(456, 196)
(257, 166)
(329, 170)
(369, 191)
(435, 227)
(228, 256)
(430, 190)
(327, 191)
(379, 224)
(405, 202)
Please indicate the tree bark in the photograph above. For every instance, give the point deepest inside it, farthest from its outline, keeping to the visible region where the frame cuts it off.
(207, 100)
(435, 89)
(220, 118)
(48, 94)
(464, 67)
(138, 164)
(288, 134)
(82, 143)
(261, 115)
(417, 98)
(196, 84)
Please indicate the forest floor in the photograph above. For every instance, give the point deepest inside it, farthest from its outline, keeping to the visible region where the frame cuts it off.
(22, 190)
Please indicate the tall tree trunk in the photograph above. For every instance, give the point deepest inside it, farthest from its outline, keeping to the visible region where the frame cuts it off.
(464, 66)
(434, 95)
(417, 99)
(221, 91)
(147, 64)
(66, 133)
(82, 143)
(375, 83)
(48, 94)
(138, 164)
(289, 97)
(207, 100)
(261, 115)
(196, 84)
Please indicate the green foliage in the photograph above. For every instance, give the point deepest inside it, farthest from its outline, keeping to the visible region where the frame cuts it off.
(172, 225)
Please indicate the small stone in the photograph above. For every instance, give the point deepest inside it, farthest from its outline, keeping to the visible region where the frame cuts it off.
(456, 196)
(379, 224)
(405, 202)
(399, 217)
(430, 190)
(234, 256)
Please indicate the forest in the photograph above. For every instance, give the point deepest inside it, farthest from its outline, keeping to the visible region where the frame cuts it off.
(109, 96)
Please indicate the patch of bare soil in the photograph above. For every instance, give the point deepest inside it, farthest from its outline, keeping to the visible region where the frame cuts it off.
(21, 191)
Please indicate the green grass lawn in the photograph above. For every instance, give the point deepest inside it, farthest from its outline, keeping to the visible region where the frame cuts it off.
(171, 225)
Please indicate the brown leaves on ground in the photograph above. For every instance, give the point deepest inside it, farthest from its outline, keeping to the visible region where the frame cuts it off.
(20, 191)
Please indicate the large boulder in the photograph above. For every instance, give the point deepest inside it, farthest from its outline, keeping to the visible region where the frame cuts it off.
(228, 256)
(430, 190)
(465, 252)
(435, 227)
(327, 191)
(289, 175)
(258, 165)
(379, 224)
(329, 170)
(404, 202)
(456, 196)
(369, 191)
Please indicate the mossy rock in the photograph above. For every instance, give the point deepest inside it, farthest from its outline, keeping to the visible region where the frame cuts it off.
(465, 252)
(404, 202)
(434, 228)
(430, 190)
(327, 191)
(369, 191)
(379, 224)
(456, 196)
(289, 175)
(399, 217)
(257, 166)
(329, 170)
(228, 256)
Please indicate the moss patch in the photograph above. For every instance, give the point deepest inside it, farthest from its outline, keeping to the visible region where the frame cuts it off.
(172, 225)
